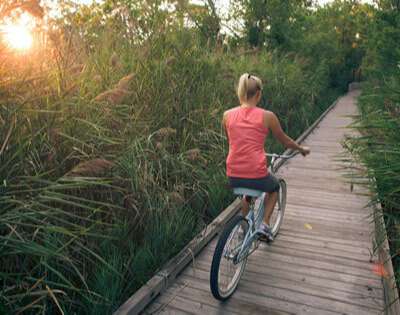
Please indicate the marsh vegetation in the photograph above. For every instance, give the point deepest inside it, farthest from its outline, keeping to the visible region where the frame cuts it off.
(111, 148)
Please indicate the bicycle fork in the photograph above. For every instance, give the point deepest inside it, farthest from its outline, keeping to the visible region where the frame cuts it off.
(246, 248)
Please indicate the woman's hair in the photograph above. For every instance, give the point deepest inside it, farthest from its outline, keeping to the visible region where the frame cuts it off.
(248, 87)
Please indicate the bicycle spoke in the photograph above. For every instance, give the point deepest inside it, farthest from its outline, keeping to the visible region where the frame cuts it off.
(229, 271)
(277, 215)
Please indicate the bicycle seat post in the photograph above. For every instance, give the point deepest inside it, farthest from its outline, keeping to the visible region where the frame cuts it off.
(251, 202)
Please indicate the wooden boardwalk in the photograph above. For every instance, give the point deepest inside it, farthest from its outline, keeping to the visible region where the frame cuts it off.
(319, 264)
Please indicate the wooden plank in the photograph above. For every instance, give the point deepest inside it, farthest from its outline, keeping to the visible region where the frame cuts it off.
(275, 271)
(249, 302)
(312, 289)
(164, 309)
(333, 265)
(309, 198)
(187, 304)
(318, 185)
(282, 240)
(315, 253)
(308, 132)
(183, 291)
(315, 243)
(322, 271)
(261, 292)
(329, 229)
(317, 231)
(329, 211)
(303, 233)
(348, 207)
(316, 222)
(353, 256)
(323, 173)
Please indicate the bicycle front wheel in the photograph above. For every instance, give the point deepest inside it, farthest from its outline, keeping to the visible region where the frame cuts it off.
(225, 270)
(279, 210)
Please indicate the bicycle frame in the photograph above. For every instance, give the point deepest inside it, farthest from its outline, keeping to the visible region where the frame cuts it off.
(253, 220)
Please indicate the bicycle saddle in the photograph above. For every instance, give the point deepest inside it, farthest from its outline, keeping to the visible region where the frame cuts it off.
(247, 192)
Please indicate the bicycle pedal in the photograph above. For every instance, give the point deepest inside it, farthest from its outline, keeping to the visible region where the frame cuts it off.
(264, 239)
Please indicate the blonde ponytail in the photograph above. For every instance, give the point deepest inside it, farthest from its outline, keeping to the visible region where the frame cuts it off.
(242, 87)
(248, 87)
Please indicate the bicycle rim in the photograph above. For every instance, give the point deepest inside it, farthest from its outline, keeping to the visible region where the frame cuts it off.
(279, 210)
(229, 272)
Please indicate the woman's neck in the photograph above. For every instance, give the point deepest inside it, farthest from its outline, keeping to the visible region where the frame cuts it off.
(248, 105)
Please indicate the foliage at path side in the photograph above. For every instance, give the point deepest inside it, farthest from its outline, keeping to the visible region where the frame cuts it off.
(379, 120)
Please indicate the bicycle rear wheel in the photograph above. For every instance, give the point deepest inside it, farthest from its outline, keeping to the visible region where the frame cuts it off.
(279, 210)
(225, 272)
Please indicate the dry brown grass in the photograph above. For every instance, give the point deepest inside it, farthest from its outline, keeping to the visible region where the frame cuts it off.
(91, 168)
(97, 78)
(77, 69)
(125, 82)
(115, 61)
(165, 133)
(159, 146)
(193, 155)
(175, 198)
(170, 61)
(114, 96)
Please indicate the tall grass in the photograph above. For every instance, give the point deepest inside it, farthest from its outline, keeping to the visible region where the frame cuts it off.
(112, 158)
(378, 148)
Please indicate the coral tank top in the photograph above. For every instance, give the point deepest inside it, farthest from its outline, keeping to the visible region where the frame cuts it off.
(246, 134)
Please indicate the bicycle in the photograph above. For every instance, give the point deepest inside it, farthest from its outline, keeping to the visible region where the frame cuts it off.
(241, 236)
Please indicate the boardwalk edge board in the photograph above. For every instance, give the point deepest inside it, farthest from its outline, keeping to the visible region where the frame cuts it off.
(171, 270)
(161, 281)
(390, 289)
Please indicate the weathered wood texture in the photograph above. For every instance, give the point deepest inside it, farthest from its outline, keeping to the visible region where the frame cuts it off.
(321, 262)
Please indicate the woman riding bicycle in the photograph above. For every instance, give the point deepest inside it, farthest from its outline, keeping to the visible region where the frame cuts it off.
(246, 127)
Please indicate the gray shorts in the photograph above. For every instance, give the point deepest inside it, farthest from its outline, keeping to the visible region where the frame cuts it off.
(267, 184)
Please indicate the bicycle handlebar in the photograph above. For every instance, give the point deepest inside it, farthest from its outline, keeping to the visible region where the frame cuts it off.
(275, 157)
(282, 156)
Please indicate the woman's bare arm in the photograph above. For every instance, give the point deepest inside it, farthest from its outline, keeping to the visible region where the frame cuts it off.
(272, 122)
(224, 125)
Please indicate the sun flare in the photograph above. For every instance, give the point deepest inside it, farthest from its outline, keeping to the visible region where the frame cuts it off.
(18, 36)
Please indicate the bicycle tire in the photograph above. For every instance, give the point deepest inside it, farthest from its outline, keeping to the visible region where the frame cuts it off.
(216, 261)
(280, 207)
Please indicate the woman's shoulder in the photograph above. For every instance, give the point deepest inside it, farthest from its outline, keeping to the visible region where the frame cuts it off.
(264, 112)
(268, 113)
(269, 118)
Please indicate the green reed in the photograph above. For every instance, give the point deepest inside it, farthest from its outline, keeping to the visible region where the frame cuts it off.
(378, 149)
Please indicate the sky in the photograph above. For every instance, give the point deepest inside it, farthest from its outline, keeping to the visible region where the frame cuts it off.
(222, 5)
(225, 3)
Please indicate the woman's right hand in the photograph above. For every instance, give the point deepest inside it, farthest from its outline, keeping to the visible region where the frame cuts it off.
(304, 150)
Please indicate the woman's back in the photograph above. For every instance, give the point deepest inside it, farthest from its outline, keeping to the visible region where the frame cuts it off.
(246, 134)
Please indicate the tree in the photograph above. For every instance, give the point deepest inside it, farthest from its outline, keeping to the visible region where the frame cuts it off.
(382, 47)
(274, 23)
(10, 8)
